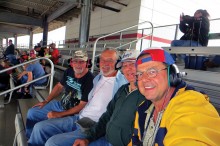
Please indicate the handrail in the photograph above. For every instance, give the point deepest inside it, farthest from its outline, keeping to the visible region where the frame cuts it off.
(94, 48)
(132, 41)
(50, 74)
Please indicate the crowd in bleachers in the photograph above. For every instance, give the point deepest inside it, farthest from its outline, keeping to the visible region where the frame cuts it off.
(137, 99)
(106, 112)
(27, 72)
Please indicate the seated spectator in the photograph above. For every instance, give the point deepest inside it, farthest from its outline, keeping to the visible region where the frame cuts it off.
(39, 50)
(105, 86)
(47, 52)
(196, 33)
(24, 56)
(77, 82)
(55, 54)
(32, 71)
(174, 113)
(120, 112)
(44, 62)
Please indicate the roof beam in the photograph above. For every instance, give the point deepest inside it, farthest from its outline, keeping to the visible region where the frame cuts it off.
(19, 19)
(63, 9)
(13, 29)
(107, 7)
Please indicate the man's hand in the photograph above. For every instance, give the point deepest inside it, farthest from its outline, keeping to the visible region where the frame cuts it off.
(181, 16)
(54, 115)
(81, 142)
(41, 104)
(19, 76)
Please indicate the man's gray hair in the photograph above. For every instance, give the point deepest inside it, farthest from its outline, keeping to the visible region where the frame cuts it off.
(112, 49)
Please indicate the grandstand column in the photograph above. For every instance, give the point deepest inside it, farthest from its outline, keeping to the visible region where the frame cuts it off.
(31, 40)
(15, 41)
(1, 42)
(45, 31)
(85, 22)
(6, 41)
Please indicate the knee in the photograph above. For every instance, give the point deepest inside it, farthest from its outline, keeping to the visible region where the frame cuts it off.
(52, 141)
(31, 112)
(40, 127)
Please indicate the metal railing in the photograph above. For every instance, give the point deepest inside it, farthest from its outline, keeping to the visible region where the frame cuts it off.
(47, 75)
(128, 28)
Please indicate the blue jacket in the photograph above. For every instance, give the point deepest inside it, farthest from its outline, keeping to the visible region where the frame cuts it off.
(119, 81)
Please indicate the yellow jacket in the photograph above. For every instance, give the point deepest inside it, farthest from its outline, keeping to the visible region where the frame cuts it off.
(188, 120)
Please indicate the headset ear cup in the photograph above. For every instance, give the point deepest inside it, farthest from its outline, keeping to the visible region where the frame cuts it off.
(119, 60)
(174, 76)
(89, 63)
(117, 68)
(69, 62)
(97, 62)
(172, 79)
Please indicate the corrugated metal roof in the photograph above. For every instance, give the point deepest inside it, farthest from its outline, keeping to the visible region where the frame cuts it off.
(23, 16)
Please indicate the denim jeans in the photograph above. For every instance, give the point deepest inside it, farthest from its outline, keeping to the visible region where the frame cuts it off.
(45, 129)
(36, 115)
(68, 139)
(11, 58)
(183, 43)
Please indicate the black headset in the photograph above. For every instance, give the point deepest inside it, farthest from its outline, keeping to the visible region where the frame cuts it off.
(97, 62)
(89, 63)
(118, 60)
(174, 75)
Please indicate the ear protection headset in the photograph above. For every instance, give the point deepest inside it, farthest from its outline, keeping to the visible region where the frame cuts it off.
(174, 77)
(116, 68)
(118, 60)
(89, 63)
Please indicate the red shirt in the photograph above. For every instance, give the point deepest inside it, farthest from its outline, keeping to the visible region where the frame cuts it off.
(55, 56)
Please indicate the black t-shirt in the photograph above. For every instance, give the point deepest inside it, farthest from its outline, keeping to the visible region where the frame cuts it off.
(40, 52)
(10, 50)
(76, 89)
(4, 77)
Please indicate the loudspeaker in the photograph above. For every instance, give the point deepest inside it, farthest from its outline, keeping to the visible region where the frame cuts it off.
(174, 75)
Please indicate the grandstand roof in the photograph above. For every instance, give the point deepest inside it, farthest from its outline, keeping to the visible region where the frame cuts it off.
(21, 16)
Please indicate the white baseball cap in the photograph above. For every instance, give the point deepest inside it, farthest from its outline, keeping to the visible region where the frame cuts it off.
(128, 56)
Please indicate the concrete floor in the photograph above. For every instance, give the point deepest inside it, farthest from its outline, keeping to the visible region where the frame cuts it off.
(7, 125)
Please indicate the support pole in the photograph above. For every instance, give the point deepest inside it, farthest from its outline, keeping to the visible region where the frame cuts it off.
(85, 22)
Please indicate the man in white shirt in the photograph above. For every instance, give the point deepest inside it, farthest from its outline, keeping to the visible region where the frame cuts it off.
(106, 83)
